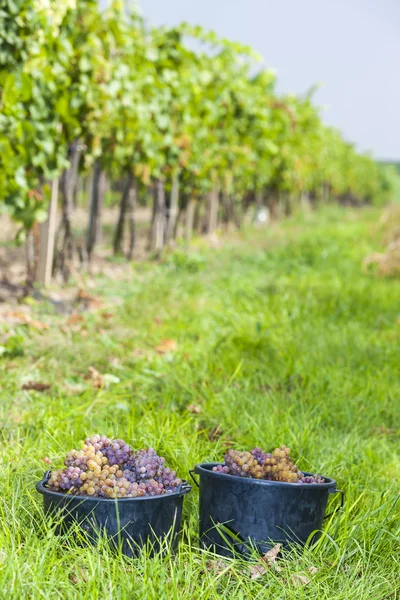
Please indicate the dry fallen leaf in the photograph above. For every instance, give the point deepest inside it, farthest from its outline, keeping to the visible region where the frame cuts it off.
(217, 565)
(89, 302)
(107, 315)
(227, 443)
(74, 324)
(80, 576)
(166, 345)
(194, 409)
(271, 556)
(36, 386)
(74, 387)
(215, 433)
(38, 324)
(312, 570)
(74, 319)
(267, 561)
(257, 570)
(137, 352)
(300, 580)
(96, 377)
(23, 318)
(382, 430)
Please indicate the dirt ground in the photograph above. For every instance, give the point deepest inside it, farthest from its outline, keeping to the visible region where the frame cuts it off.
(13, 261)
(12, 256)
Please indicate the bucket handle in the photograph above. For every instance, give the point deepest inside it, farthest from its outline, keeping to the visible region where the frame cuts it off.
(185, 487)
(191, 473)
(341, 503)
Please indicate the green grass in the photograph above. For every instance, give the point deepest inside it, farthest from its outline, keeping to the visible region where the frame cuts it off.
(281, 338)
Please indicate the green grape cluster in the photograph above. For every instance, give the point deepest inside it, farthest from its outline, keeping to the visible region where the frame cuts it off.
(257, 464)
(243, 464)
(279, 467)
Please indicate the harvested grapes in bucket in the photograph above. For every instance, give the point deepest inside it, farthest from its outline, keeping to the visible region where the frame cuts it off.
(257, 464)
(110, 468)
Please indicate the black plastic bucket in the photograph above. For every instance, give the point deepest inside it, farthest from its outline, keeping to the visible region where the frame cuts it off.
(130, 523)
(237, 514)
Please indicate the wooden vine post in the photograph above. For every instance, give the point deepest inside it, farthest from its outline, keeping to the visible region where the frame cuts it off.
(47, 233)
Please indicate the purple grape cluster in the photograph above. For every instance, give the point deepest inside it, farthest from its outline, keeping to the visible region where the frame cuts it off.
(109, 468)
(153, 487)
(221, 469)
(66, 479)
(312, 479)
(260, 455)
(257, 464)
(118, 452)
(130, 475)
(146, 464)
(168, 479)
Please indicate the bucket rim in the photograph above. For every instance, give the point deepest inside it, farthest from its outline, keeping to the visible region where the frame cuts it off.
(183, 489)
(206, 469)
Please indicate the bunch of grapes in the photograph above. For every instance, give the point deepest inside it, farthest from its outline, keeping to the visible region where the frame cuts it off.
(257, 464)
(243, 464)
(146, 464)
(109, 468)
(279, 466)
(221, 469)
(168, 479)
(63, 480)
(260, 455)
(311, 479)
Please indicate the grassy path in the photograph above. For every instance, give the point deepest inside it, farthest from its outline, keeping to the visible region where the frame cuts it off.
(280, 338)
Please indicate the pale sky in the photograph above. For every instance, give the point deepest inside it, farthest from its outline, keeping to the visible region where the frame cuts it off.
(351, 47)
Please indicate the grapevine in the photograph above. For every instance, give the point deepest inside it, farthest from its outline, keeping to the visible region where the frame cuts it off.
(215, 132)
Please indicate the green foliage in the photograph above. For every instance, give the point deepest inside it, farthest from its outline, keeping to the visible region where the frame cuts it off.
(13, 347)
(191, 262)
(143, 102)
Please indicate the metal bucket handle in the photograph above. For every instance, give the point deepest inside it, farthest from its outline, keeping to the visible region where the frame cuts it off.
(191, 473)
(338, 507)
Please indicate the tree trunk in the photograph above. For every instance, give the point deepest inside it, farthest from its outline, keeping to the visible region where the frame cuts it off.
(100, 206)
(287, 204)
(325, 193)
(305, 202)
(153, 217)
(197, 224)
(177, 221)
(189, 221)
(30, 259)
(158, 226)
(235, 217)
(273, 205)
(173, 209)
(123, 207)
(68, 185)
(132, 201)
(213, 210)
(96, 190)
(77, 189)
(259, 199)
